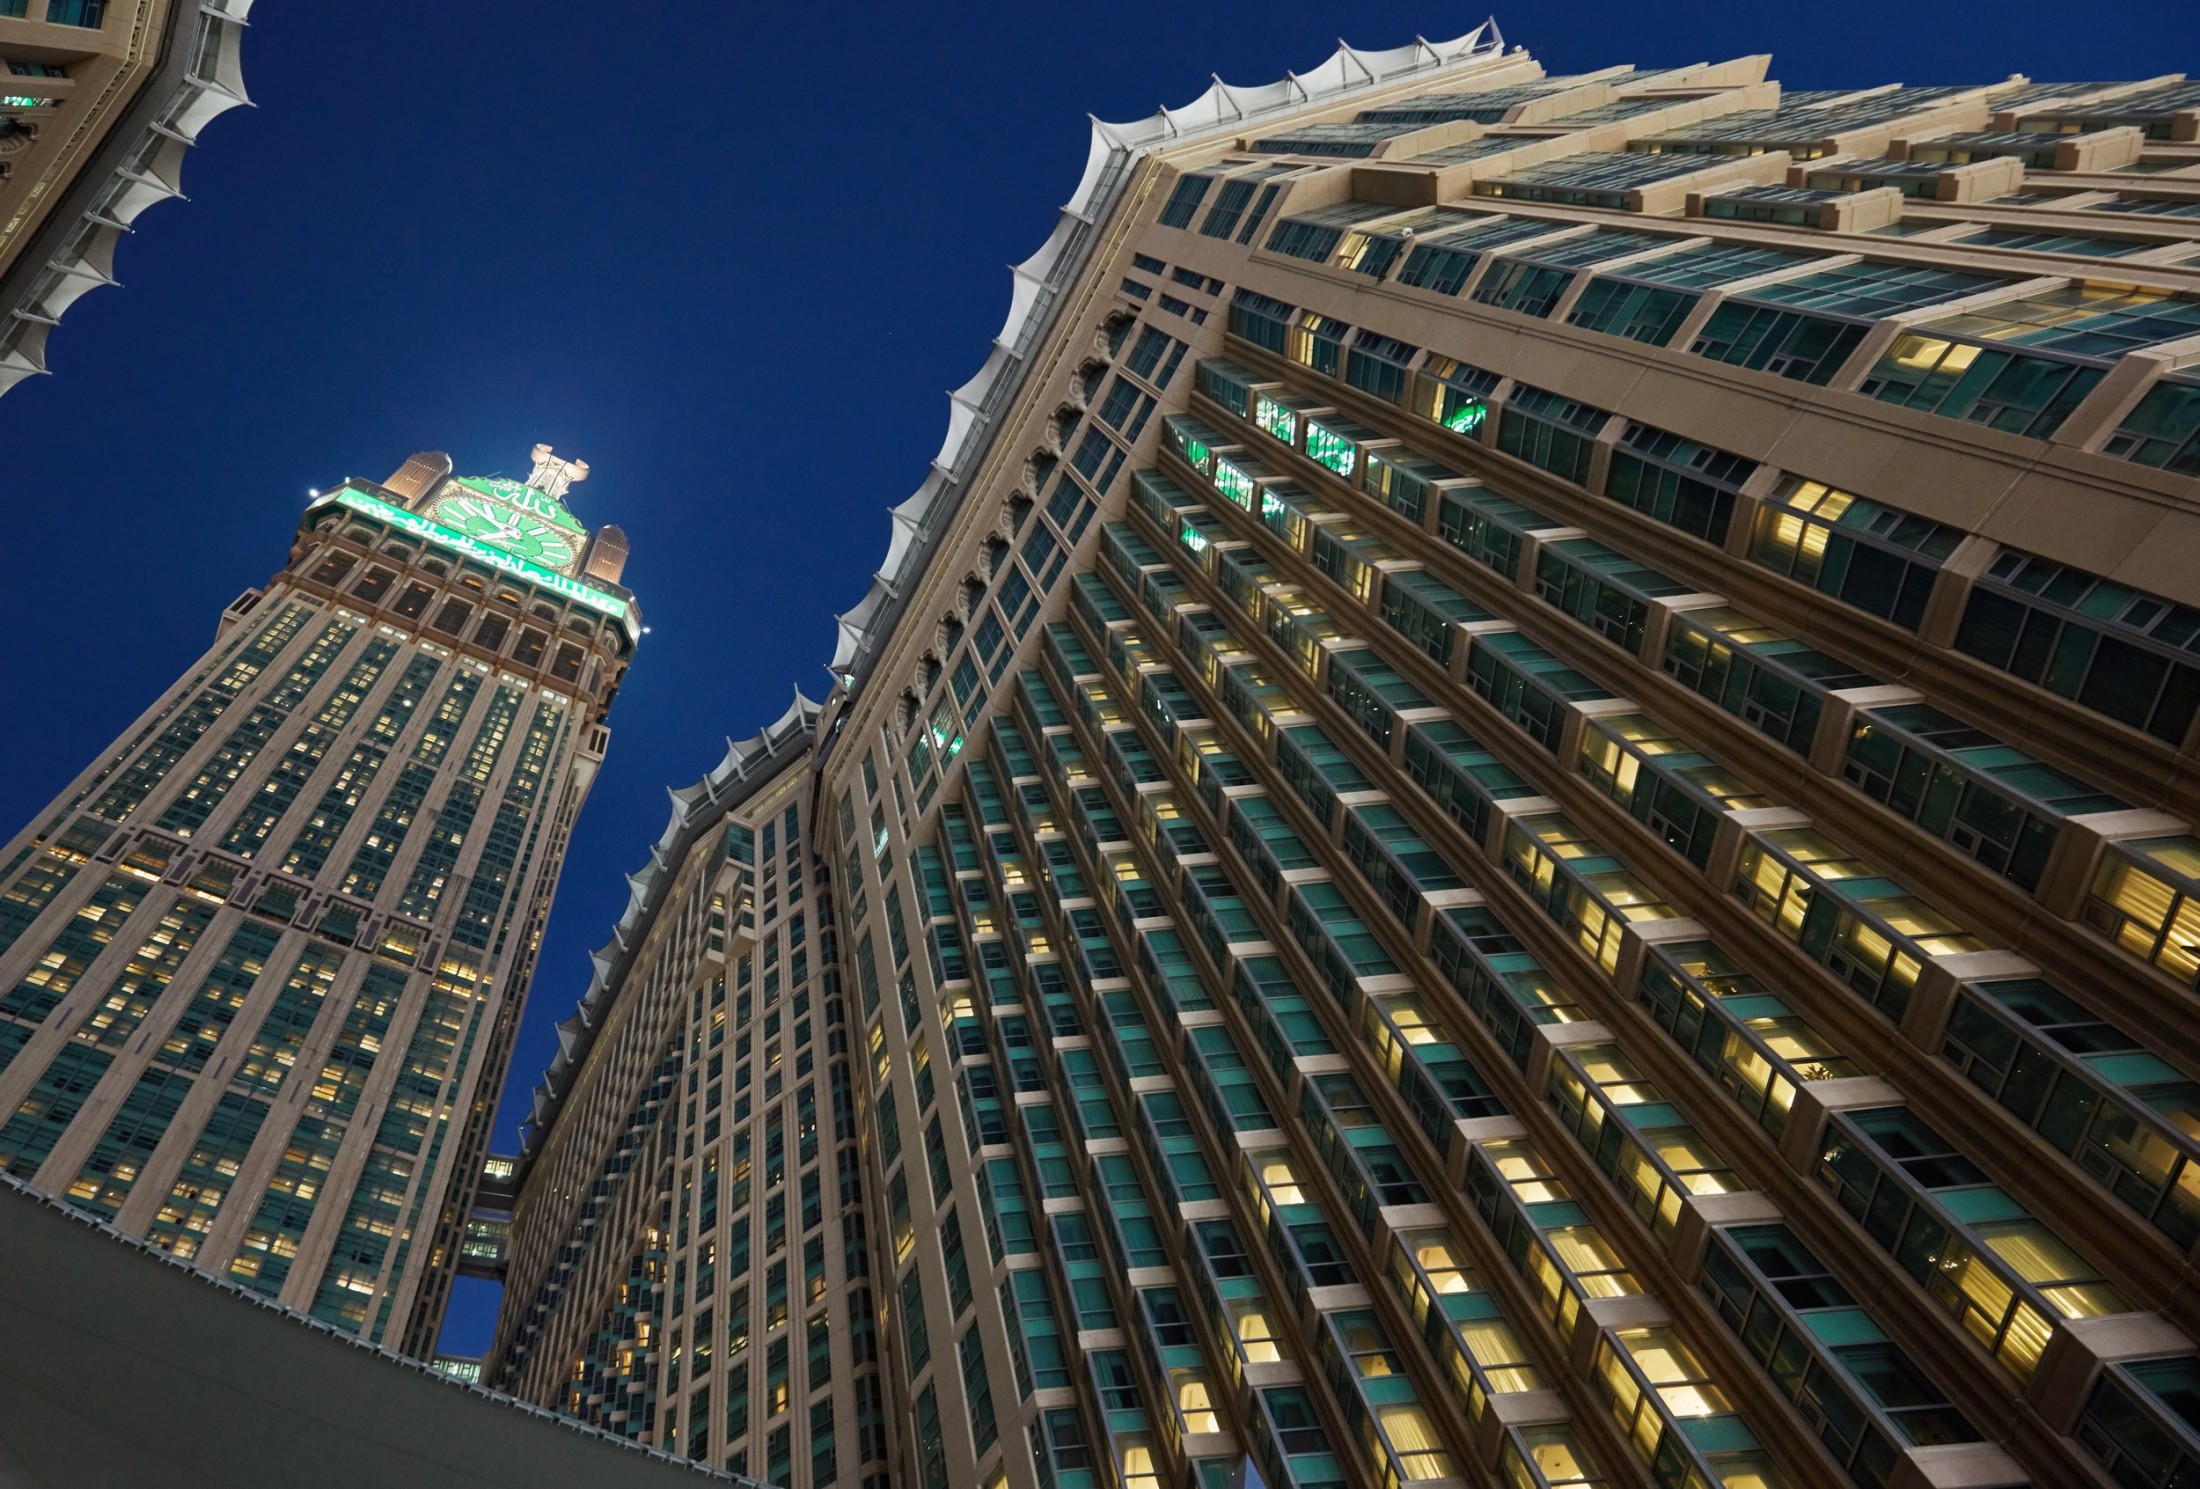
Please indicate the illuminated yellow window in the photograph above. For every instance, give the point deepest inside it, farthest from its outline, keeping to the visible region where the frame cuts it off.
(1669, 1366)
(2149, 913)
(1413, 1441)
(2043, 1259)
(1195, 1401)
(1584, 1252)
(1498, 1350)
(1279, 1180)
(1553, 1456)
(1255, 1335)
(1526, 1173)
(1435, 1255)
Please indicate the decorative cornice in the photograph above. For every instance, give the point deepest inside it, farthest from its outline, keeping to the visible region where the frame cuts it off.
(1036, 284)
(200, 78)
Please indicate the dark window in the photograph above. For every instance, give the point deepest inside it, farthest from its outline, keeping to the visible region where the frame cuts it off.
(1778, 690)
(1638, 312)
(1524, 288)
(2119, 651)
(1260, 320)
(1677, 481)
(1967, 787)
(1553, 433)
(2020, 394)
(1146, 352)
(1222, 217)
(1786, 343)
(1376, 364)
(2163, 430)
(374, 584)
(414, 601)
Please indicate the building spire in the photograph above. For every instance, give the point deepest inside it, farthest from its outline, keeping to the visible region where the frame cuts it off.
(551, 476)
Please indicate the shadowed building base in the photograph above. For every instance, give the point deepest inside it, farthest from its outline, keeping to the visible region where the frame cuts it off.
(119, 1367)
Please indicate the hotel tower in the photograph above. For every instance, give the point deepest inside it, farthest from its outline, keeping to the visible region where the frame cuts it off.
(1517, 807)
(262, 961)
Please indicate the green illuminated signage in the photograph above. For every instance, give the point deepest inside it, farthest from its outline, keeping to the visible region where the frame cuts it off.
(517, 532)
(525, 497)
(473, 548)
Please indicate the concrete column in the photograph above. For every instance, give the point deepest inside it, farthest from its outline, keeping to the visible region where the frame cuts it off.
(2102, 410)
(2076, 857)
(1806, 1129)
(1966, 1465)
(1468, 630)
(1926, 1019)
(1701, 1214)
(1734, 829)
(1662, 611)
(2081, 1346)
(1600, 462)
(1473, 1132)
(1600, 1316)
(1517, 1409)
(1830, 745)
(1503, 812)
(1550, 1038)
(1639, 936)
(1531, 550)
(1576, 724)
(1952, 590)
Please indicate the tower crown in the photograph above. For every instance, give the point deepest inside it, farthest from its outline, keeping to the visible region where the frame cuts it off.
(521, 528)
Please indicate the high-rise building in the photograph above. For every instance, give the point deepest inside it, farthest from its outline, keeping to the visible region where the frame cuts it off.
(1517, 805)
(100, 100)
(262, 961)
(688, 1263)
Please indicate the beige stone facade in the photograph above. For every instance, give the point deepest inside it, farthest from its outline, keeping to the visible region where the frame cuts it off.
(688, 1265)
(1518, 803)
(263, 960)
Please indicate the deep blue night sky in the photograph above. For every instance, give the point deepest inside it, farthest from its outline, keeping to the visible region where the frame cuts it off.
(733, 256)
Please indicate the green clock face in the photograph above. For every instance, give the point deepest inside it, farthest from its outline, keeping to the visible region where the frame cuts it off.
(515, 532)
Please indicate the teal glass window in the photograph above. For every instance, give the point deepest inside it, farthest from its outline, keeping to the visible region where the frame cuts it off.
(2121, 652)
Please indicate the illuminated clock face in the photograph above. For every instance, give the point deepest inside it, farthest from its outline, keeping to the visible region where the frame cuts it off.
(502, 527)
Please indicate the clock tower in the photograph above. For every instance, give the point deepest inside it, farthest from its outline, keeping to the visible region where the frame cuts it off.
(262, 962)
